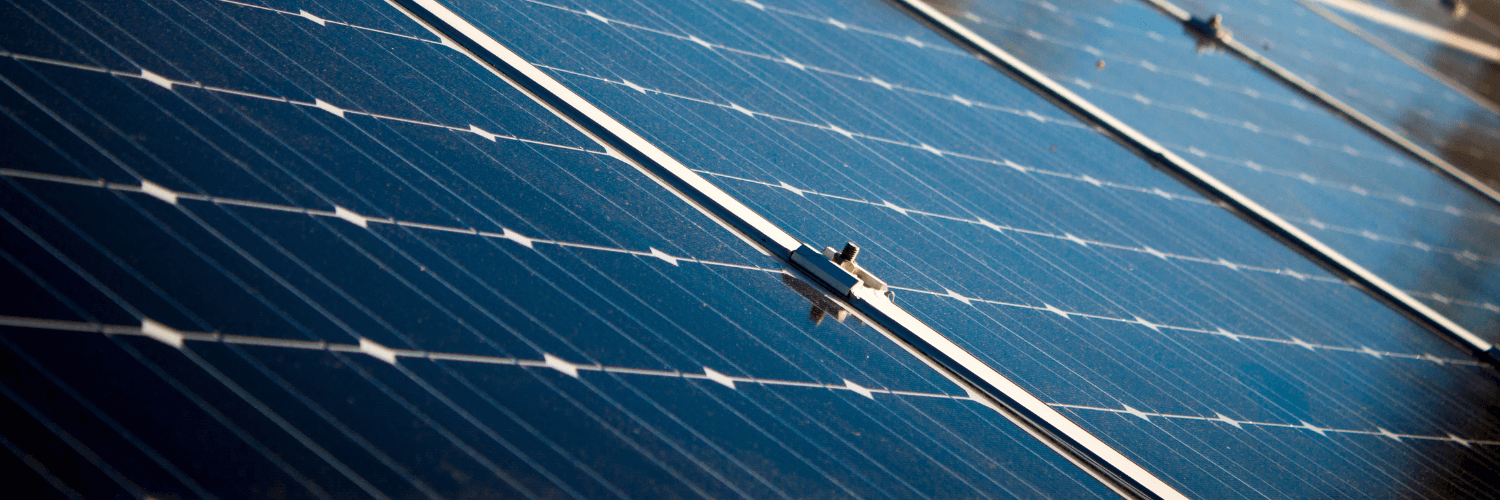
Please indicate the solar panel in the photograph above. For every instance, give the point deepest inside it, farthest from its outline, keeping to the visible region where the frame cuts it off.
(1430, 106)
(1439, 50)
(309, 251)
(1150, 315)
(1419, 103)
(1366, 199)
(314, 249)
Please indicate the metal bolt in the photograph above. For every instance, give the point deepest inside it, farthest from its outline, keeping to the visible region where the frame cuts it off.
(850, 252)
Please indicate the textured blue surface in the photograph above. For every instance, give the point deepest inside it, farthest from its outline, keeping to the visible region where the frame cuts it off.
(1192, 342)
(1423, 109)
(1367, 200)
(1408, 99)
(329, 187)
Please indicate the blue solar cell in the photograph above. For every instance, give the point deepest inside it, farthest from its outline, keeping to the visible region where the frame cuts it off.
(1068, 264)
(1410, 99)
(310, 251)
(1416, 104)
(1368, 200)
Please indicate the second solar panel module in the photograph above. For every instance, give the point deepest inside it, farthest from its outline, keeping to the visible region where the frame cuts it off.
(308, 251)
(1457, 119)
(1368, 200)
(1406, 96)
(1461, 128)
(1193, 343)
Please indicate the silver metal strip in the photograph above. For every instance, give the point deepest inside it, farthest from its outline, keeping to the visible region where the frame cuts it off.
(1198, 178)
(988, 386)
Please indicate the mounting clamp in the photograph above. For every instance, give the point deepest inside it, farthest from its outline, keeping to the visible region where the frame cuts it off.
(1208, 32)
(838, 270)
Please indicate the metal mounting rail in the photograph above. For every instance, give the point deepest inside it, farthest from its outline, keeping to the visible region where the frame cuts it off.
(846, 283)
(1201, 180)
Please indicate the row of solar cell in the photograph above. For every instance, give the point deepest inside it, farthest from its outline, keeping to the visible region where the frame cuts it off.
(1380, 84)
(656, 70)
(1389, 214)
(791, 194)
(1420, 107)
(415, 282)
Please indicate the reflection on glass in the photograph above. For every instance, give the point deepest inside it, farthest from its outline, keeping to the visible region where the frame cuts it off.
(1367, 199)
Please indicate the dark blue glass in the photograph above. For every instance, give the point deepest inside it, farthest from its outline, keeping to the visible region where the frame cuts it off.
(1191, 341)
(1461, 125)
(1368, 200)
(293, 190)
(1440, 96)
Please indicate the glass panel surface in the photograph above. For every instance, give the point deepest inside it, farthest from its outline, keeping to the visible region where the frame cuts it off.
(1369, 201)
(1463, 130)
(1456, 127)
(1189, 340)
(293, 250)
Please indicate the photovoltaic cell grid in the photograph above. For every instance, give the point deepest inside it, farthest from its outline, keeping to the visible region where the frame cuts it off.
(1196, 345)
(1366, 199)
(1379, 84)
(1461, 130)
(1376, 82)
(306, 250)
(1421, 108)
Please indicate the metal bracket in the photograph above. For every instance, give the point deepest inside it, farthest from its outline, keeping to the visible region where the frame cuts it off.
(1210, 33)
(838, 270)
